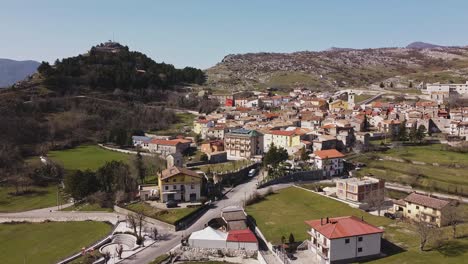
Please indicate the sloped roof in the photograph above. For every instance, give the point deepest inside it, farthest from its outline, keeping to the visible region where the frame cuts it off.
(209, 234)
(169, 172)
(244, 235)
(425, 200)
(328, 154)
(346, 226)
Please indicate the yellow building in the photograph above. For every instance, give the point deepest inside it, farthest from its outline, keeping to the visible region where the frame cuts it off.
(179, 184)
(281, 138)
(199, 124)
(338, 105)
(423, 208)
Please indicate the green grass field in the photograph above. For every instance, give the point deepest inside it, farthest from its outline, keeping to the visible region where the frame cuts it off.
(449, 176)
(47, 242)
(41, 197)
(225, 166)
(285, 212)
(169, 216)
(86, 157)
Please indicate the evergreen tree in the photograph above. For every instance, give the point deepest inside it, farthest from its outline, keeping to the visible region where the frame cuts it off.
(412, 134)
(420, 133)
(402, 133)
(382, 85)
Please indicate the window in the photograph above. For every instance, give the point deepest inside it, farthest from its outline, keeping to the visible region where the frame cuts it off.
(417, 207)
(359, 239)
(359, 250)
(166, 187)
(346, 241)
(174, 180)
(192, 186)
(409, 211)
(174, 187)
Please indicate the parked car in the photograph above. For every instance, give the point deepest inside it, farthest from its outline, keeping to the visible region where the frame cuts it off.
(389, 215)
(252, 172)
(171, 204)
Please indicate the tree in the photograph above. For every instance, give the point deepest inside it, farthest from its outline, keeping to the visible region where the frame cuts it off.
(132, 222)
(391, 84)
(413, 134)
(204, 157)
(410, 85)
(275, 155)
(366, 124)
(81, 184)
(424, 231)
(382, 85)
(119, 250)
(140, 167)
(283, 239)
(304, 155)
(291, 238)
(402, 134)
(375, 200)
(454, 218)
(420, 133)
(155, 233)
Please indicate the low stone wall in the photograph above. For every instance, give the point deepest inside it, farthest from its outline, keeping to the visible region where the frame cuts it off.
(294, 177)
(235, 177)
(191, 253)
(128, 151)
(187, 220)
(150, 220)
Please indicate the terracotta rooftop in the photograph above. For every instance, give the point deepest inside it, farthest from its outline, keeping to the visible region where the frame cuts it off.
(425, 200)
(328, 154)
(340, 227)
(242, 236)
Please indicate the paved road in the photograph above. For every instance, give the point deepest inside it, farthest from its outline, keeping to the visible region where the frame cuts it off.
(409, 189)
(235, 197)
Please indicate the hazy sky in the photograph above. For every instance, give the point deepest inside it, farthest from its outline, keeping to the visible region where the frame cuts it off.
(201, 32)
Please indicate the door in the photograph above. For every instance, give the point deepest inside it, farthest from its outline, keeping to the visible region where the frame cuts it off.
(170, 197)
(193, 197)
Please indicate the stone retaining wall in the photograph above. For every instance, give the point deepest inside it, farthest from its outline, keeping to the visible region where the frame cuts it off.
(147, 219)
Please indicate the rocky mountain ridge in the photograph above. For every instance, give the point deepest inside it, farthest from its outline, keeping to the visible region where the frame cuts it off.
(337, 68)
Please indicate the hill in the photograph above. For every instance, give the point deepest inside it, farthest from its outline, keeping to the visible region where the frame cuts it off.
(338, 67)
(12, 71)
(422, 45)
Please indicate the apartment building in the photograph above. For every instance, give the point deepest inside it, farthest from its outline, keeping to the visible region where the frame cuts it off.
(330, 161)
(243, 143)
(360, 190)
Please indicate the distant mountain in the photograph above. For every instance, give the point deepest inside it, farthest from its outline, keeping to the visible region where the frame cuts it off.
(12, 71)
(423, 45)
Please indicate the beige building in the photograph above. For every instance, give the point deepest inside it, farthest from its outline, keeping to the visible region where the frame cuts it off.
(366, 189)
(243, 144)
(418, 207)
(179, 184)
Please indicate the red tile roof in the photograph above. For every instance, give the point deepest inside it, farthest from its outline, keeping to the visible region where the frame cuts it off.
(328, 154)
(340, 227)
(244, 235)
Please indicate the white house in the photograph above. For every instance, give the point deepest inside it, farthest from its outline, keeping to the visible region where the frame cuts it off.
(329, 160)
(343, 239)
(208, 238)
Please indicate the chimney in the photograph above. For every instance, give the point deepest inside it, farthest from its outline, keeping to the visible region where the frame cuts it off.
(327, 220)
(321, 221)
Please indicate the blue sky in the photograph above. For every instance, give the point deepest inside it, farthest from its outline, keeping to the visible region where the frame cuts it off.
(201, 32)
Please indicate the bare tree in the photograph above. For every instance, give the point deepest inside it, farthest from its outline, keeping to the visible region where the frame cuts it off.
(132, 221)
(119, 250)
(140, 218)
(454, 216)
(375, 200)
(425, 231)
(155, 233)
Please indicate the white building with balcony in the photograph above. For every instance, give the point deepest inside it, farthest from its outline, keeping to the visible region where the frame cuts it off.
(329, 160)
(343, 240)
